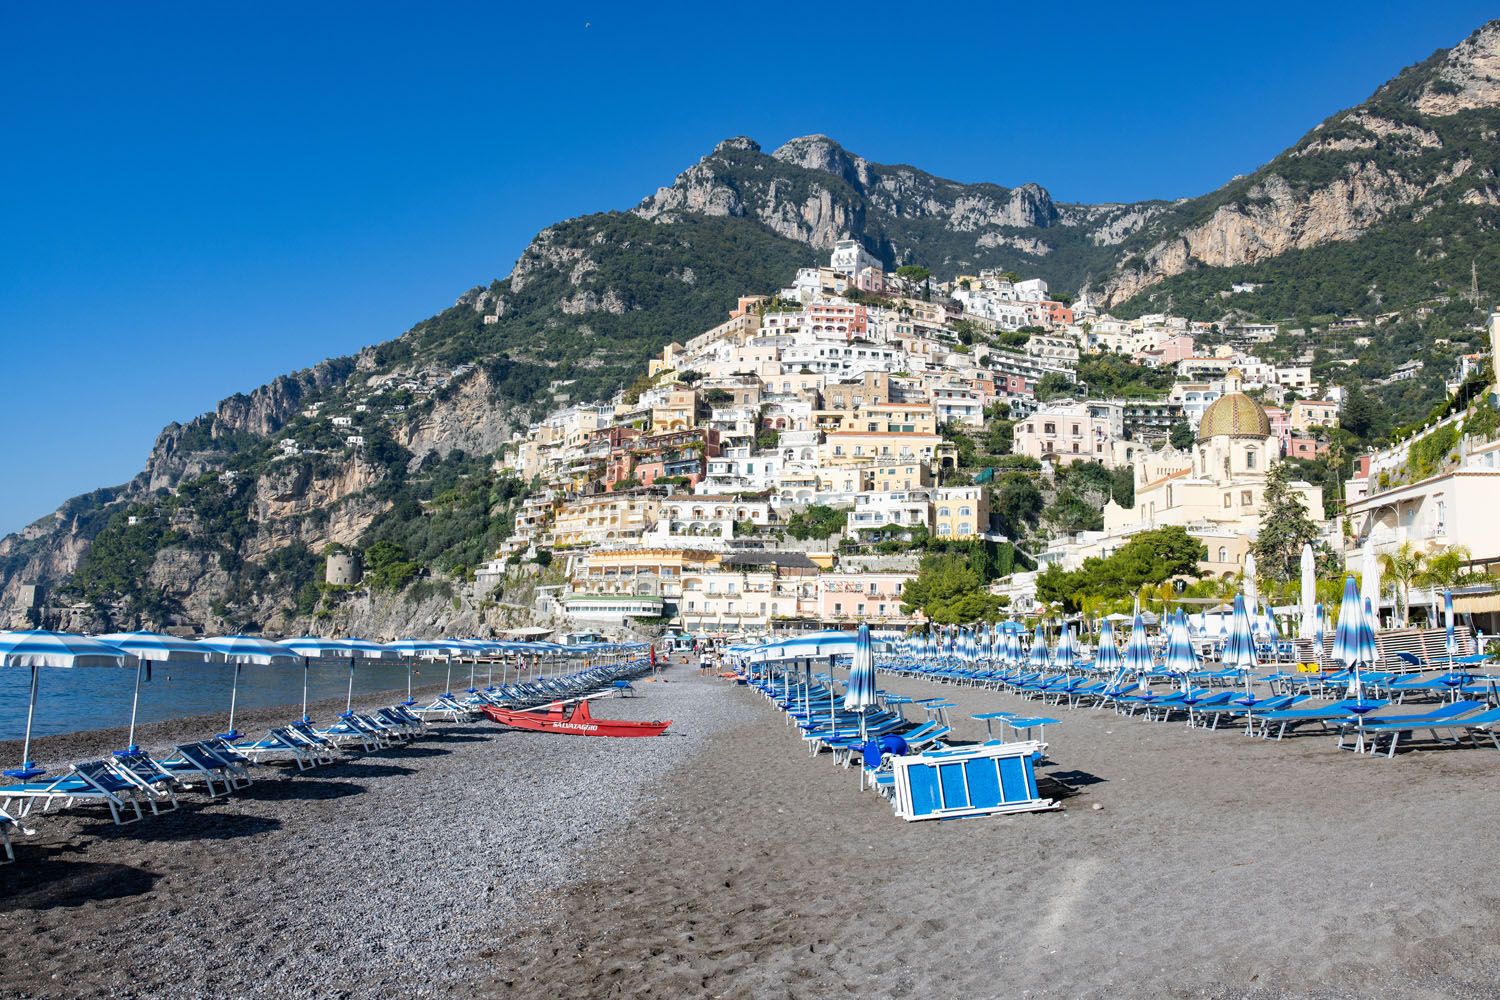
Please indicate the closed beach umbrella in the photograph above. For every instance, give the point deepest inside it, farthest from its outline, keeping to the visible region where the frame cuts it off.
(1038, 656)
(148, 648)
(1309, 592)
(240, 650)
(1107, 657)
(1319, 630)
(1450, 635)
(54, 650)
(1138, 658)
(1268, 624)
(1182, 658)
(1239, 647)
(1066, 656)
(1251, 590)
(1346, 638)
(1369, 582)
(861, 692)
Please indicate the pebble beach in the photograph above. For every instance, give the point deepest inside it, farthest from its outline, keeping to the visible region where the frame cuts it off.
(720, 860)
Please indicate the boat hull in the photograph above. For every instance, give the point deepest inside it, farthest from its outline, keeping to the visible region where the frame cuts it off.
(572, 720)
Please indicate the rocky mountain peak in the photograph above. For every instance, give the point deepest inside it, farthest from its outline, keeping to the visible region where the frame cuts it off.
(818, 152)
(1465, 78)
(738, 142)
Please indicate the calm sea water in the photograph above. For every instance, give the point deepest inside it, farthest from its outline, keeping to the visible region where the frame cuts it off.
(96, 698)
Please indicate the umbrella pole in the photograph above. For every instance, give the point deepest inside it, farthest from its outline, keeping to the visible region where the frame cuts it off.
(448, 687)
(135, 703)
(349, 698)
(474, 663)
(306, 671)
(28, 768)
(234, 693)
(410, 666)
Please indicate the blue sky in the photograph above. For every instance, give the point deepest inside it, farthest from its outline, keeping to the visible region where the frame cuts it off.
(197, 197)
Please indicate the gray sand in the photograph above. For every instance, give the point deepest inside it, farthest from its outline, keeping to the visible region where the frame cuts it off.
(723, 861)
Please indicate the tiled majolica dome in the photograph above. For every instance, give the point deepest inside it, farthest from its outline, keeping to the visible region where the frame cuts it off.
(1234, 414)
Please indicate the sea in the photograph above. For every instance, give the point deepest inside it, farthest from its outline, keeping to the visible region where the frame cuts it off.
(70, 701)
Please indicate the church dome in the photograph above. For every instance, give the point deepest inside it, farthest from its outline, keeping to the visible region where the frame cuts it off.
(1234, 414)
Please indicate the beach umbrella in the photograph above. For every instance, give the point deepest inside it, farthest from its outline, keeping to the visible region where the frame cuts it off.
(1065, 656)
(1346, 637)
(1107, 657)
(1038, 655)
(240, 650)
(861, 693)
(311, 647)
(1267, 624)
(1318, 633)
(1239, 646)
(1369, 582)
(1138, 658)
(1181, 658)
(1450, 636)
(1252, 591)
(410, 649)
(148, 648)
(1309, 592)
(40, 649)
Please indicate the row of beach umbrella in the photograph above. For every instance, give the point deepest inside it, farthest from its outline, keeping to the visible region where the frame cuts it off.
(39, 649)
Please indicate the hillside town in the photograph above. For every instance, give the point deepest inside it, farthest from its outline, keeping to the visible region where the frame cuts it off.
(789, 466)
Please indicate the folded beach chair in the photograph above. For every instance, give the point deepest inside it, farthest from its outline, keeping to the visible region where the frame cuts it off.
(1453, 716)
(199, 762)
(984, 780)
(88, 784)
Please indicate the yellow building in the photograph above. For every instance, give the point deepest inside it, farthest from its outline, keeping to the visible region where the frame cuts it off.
(653, 570)
(607, 517)
(960, 511)
(679, 412)
(862, 447)
(899, 476)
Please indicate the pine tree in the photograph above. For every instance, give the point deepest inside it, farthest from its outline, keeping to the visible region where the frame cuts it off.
(1284, 528)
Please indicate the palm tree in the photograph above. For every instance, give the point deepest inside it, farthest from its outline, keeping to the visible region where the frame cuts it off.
(1402, 567)
(1447, 568)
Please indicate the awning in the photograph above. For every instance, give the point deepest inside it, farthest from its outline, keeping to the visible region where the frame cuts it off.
(1471, 604)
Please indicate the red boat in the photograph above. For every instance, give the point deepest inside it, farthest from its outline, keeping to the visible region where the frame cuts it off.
(571, 720)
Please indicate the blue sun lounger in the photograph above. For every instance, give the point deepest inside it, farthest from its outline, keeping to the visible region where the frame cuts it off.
(1451, 716)
(159, 785)
(1327, 716)
(986, 780)
(199, 762)
(278, 744)
(88, 784)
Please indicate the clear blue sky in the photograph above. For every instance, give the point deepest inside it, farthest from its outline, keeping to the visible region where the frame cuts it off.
(196, 197)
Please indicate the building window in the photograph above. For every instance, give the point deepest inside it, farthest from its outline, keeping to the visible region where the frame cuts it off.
(942, 512)
(1246, 498)
(1226, 501)
(1249, 458)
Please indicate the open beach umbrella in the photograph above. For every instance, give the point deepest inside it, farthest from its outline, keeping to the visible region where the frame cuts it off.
(240, 650)
(1309, 592)
(1369, 580)
(1239, 647)
(411, 649)
(861, 692)
(149, 648)
(38, 649)
(1181, 658)
(311, 647)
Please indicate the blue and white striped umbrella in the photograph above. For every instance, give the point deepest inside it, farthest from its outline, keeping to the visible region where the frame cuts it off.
(1066, 656)
(1038, 655)
(312, 647)
(1346, 632)
(1267, 625)
(1318, 632)
(1107, 656)
(240, 650)
(1239, 647)
(151, 647)
(38, 649)
(861, 692)
(1182, 658)
(1138, 658)
(1450, 634)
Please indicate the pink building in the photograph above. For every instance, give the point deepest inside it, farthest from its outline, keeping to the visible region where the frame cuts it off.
(1170, 351)
(836, 320)
(848, 596)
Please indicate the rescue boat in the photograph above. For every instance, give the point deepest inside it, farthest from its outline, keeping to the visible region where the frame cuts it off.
(571, 719)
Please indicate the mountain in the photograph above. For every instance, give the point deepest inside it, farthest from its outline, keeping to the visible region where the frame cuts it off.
(1381, 206)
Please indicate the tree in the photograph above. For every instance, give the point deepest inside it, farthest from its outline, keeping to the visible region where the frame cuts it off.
(817, 521)
(1181, 436)
(949, 591)
(1149, 557)
(1284, 528)
(388, 566)
(1402, 567)
(1018, 503)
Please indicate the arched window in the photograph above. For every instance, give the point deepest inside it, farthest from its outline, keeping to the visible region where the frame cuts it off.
(1223, 554)
(942, 512)
(964, 512)
(1249, 458)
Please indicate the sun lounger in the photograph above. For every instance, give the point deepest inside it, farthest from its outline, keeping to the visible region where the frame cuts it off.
(278, 744)
(88, 784)
(1288, 719)
(159, 785)
(1450, 716)
(7, 824)
(199, 762)
(985, 780)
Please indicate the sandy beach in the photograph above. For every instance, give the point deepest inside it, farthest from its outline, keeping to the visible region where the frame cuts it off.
(722, 861)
